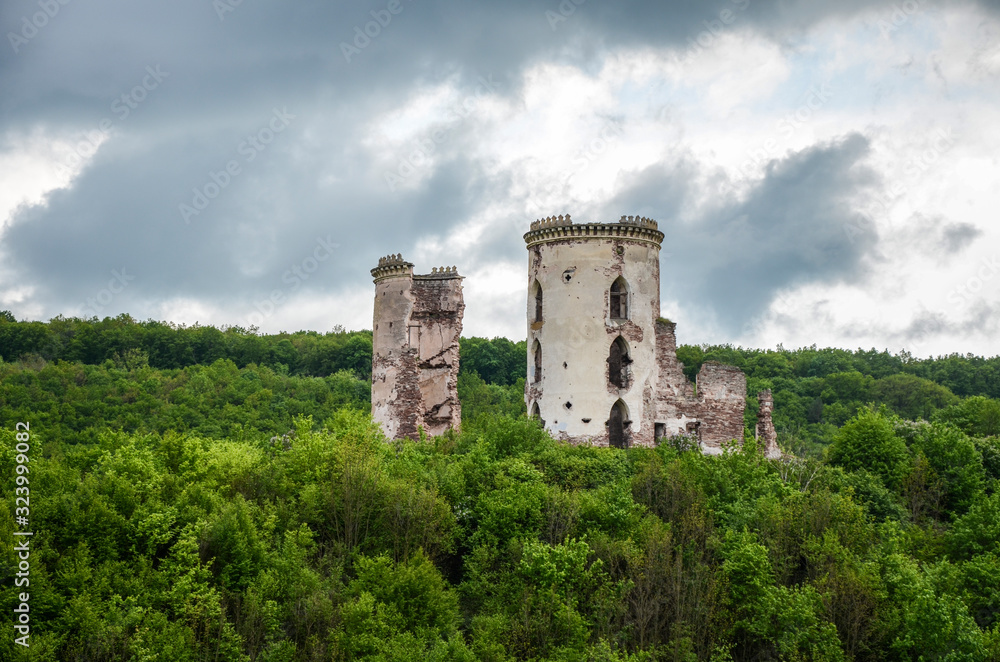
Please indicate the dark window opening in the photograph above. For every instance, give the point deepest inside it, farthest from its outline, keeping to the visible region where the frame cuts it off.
(618, 362)
(537, 414)
(537, 377)
(694, 427)
(659, 430)
(538, 302)
(568, 405)
(617, 426)
(619, 299)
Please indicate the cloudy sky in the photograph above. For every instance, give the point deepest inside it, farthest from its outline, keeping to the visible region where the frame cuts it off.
(824, 172)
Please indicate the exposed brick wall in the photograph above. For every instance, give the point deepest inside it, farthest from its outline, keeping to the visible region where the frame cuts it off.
(715, 411)
(438, 310)
(722, 397)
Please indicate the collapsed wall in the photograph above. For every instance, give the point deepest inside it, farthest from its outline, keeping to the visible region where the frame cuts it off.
(711, 409)
(415, 349)
(766, 435)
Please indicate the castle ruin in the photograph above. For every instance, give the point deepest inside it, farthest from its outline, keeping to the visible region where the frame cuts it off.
(418, 321)
(602, 363)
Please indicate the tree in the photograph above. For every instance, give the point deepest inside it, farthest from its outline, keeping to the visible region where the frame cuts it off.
(868, 441)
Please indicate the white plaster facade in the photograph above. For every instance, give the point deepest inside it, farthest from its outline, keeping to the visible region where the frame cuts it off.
(575, 267)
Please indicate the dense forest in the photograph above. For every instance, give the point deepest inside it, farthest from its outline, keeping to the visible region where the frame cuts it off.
(218, 494)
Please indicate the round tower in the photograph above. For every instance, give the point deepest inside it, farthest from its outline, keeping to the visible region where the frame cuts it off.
(593, 302)
(394, 371)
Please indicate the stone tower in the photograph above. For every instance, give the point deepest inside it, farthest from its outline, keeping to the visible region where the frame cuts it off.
(417, 325)
(602, 363)
(593, 300)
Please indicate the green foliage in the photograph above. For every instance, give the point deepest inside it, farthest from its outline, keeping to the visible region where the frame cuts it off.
(130, 344)
(952, 458)
(248, 509)
(976, 416)
(869, 442)
(498, 361)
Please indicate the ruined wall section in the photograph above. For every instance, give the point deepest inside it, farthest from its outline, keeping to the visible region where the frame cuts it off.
(435, 329)
(676, 404)
(767, 437)
(722, 391)
(713, 409)
(416, 327)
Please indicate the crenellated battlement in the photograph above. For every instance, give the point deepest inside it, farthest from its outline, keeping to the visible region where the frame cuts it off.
(558, 228)
(552, 222)
(641, 221)
(395, 258)
(439, 273)
(392, 266)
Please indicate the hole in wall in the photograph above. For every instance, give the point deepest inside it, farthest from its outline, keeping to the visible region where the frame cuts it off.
(568, 405)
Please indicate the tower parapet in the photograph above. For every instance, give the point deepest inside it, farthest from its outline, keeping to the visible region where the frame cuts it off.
(439, 273)
(558, 228)
(392, 266)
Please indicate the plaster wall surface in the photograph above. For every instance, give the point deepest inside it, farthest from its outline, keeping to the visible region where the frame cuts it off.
(395, 390)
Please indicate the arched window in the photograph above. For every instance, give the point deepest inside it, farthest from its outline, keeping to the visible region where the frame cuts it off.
(536, 414)
(618, 426)
(537, 374)
(538, 301)
(619, 299)
(618, 362)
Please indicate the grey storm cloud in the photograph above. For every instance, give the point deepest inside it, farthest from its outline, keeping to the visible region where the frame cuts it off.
(221, 76)
(797, 225)
(937, 236)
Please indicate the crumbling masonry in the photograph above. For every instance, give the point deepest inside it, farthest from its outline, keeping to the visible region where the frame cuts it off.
(418, 321)
(602, 363)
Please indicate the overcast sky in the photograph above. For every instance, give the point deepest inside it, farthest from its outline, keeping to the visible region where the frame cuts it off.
(823, 172)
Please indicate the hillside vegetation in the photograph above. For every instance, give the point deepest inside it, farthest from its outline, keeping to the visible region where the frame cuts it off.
(199, 494)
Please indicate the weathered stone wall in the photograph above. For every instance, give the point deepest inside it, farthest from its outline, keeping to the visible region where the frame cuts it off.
(766, 435)
(416, 327)
(721, 391)
(437, 319)
(676, 404)
(714, 412)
